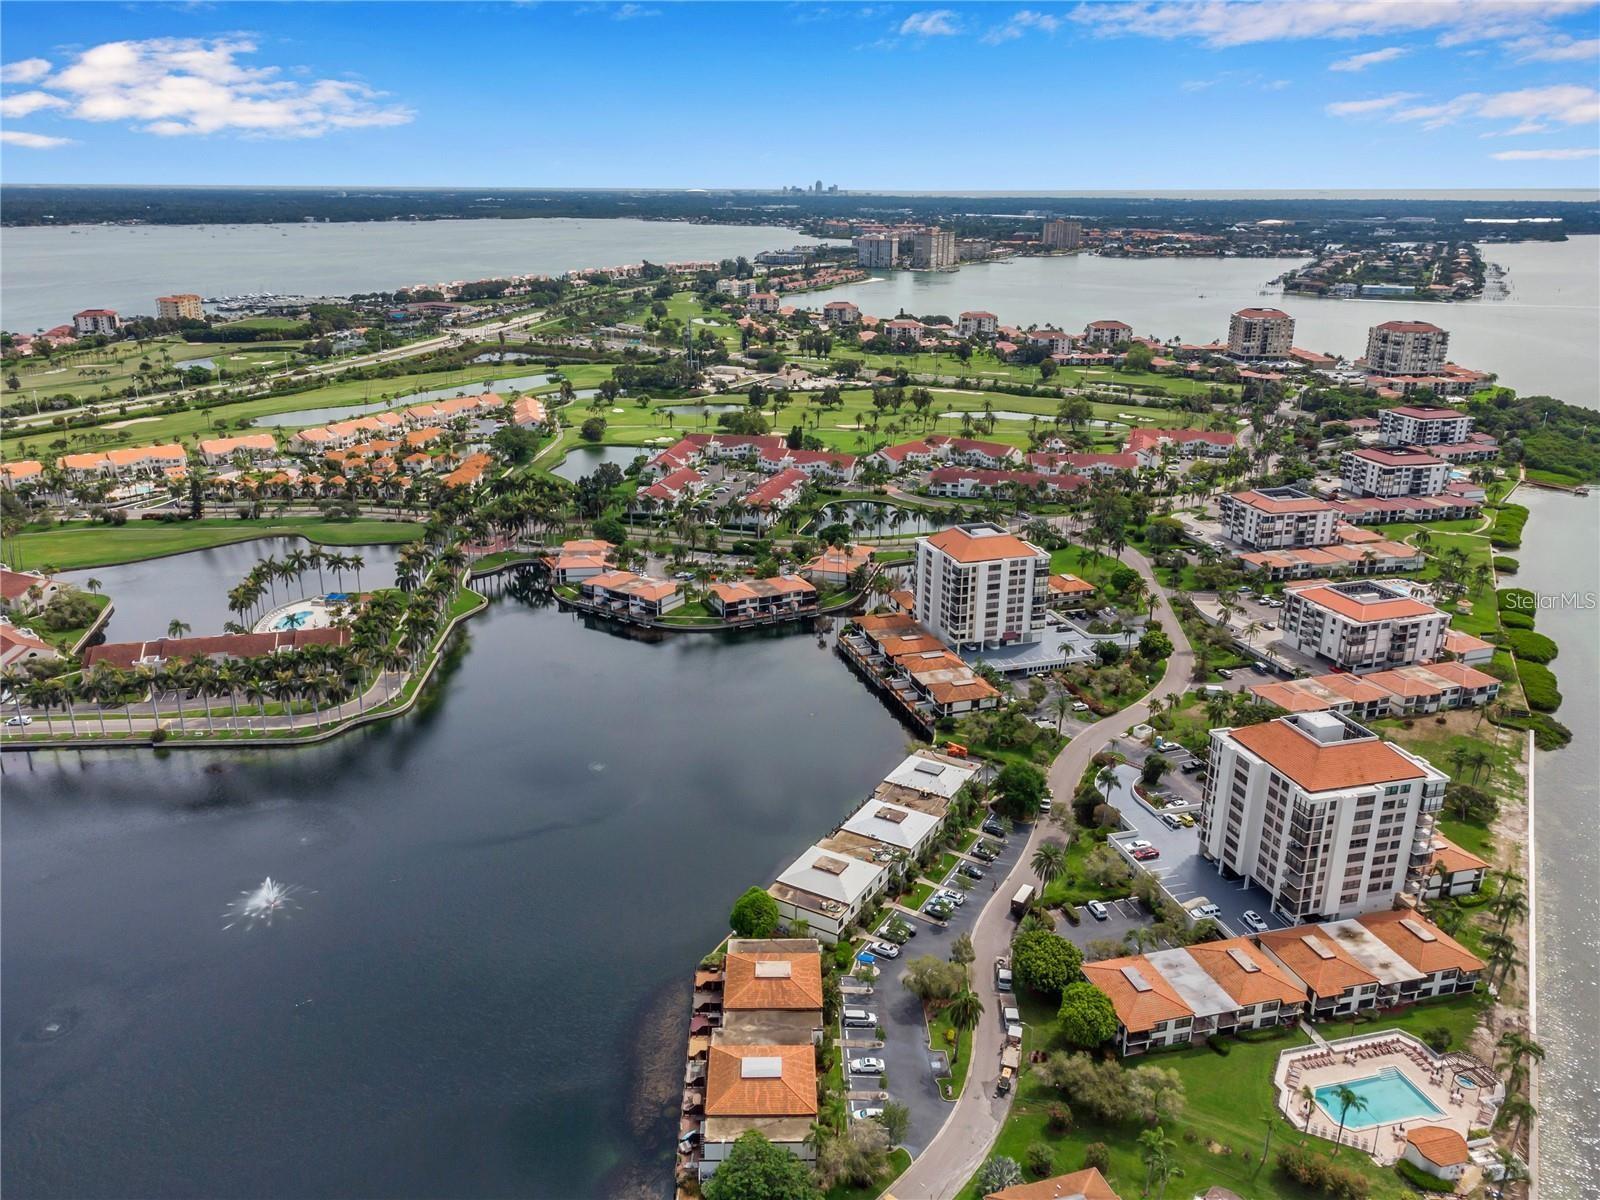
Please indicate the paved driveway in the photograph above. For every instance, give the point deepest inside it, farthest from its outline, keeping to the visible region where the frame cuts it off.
(911, 1071)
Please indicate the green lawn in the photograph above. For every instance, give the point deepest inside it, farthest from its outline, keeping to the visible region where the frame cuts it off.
(69, 547)
(899, 1160)
(92, 374)
(918, 896)
(66, 639)
(1229, 1108)
(942, 1035)
(1070, 888)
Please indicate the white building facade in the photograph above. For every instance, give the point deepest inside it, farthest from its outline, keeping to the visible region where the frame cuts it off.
(979, 587)
(1362, 625)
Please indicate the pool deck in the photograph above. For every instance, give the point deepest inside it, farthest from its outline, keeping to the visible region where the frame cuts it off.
(318, 610)
(1434, 1075)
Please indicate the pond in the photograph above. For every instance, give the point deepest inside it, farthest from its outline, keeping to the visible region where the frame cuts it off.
(582, 460)
(193, 588)
(500, 356)
(480, 984)
(878, 518)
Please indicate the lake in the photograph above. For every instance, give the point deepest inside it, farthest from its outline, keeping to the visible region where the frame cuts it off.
(1544, 337)
(47, 274)
(483, 991)
(582, 460)
(193, 588)
(1560, 558)
(467, 387)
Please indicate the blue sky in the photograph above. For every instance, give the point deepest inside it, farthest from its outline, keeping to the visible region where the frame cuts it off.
(1149, 94)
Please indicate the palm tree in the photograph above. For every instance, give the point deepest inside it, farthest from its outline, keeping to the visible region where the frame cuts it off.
(1347, 1098)
(1305, 1093)
(1061, 705)
(1511, 906)
(1107, 779)
(1518, 1046)
(1156, 1148)
(1518, 1111)
(1049, 860)
(965, 1013)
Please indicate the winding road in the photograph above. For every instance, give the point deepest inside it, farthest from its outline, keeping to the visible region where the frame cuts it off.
(960, 1147)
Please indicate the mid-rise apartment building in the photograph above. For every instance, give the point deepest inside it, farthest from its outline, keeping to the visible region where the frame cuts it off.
(877, 250)
(1417, 425)
(1260, 333)
(182, 306)
(978, 587)
(1062, 235)
(933, 249)
(1361, 625)
(1318, 811)
(96, 320)
(1406, 348)
(1106, 334)
(978, 324)
(1279, 518)
(1392, 473)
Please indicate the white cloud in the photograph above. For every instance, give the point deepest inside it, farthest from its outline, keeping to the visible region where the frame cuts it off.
(1223, 23)
(935, 22)
(27, 70)
(1361, 108)
(1563, 104)
(1360, 62)
(1197, 85)
(178, 86)
(1020, 23)
(33, 141)
(1554, 49)
(634, 12)
(21, 104)
(1547, 155)
(1276, 85)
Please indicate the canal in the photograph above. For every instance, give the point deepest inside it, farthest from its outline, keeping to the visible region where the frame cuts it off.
(481, 988)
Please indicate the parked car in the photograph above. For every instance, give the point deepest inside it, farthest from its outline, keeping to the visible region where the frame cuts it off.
(860, 1018)
(20, 720)
(1171, 821)
(994, 829)
(1078, 706)
(867, 1066)
(884, 949)
(893, 935)
(1138, 844)
(1253, 922)
(1224, 673)
(1193, 767)
(1146, 854)
(1201, 911)
(950, 896)
(1186, 820)
(1263, 667)
(970, 871)
(1097, 910)
(1002, 974)
(866, 1114)
(938, 910)
(984, 852)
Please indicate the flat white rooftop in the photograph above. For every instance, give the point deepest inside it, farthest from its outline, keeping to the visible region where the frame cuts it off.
(926, 773)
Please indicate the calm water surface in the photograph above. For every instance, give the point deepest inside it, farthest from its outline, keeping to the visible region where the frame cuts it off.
(582, 460)
(47, 274)
(1560, 559)
(500, 900)
(1543, 338)
(193, 588)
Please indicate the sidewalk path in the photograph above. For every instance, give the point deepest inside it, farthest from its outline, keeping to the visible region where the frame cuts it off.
(961, 1146)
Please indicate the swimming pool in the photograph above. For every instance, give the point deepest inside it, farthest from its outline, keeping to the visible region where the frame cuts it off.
(1390, 1097)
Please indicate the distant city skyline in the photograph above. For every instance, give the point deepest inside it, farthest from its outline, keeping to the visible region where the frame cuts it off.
(1185, 96)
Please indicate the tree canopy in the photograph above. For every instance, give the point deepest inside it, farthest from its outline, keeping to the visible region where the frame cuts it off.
(1045, 961)
(755, 1169)
(1021, 789)
(1087, 1017)
(755, 914)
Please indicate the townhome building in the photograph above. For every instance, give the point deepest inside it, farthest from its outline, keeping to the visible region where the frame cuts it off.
(1147, 444)
(1322, 814)
(1361, 625)
(828, 889)
(771, 1089)
(636, 595)
(220, 451)
(125, 463)
(753, 599)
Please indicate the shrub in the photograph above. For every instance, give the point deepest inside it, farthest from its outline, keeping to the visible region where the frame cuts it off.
(1507, 529)
(1516, 600)
(1516, 620)
(1311, 1170)
(999, 1172)
(1418, 1178)
(1218, 1045)
(593, 429)
(1071, 914)
(1530, 646)
(1087, 1017)
(1506, 565)
(1096, 1155)
(1058, 1118)
(1539, 685)
(1438, 1038)
(1045, 962)
(754, 915)
(1041, 1158)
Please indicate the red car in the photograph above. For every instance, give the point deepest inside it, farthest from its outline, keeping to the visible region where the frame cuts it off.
(1146, 853)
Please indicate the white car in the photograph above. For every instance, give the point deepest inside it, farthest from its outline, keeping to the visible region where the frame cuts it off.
(1097, 910)
(867, 1066)
(867, 1114)
(1204, 911)
(1079, 706)
(884, 949)
(20, 720)
(1137, 844)
(950, 897)
(1253, 922)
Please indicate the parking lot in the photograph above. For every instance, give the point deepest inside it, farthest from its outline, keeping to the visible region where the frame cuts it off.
(1180, 867)
(910, 1065)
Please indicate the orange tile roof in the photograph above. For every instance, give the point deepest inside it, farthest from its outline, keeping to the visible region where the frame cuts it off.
(25, 468)
(1439, 1144)
(1379, 610)
(1268, 981)
(842, 560)
(885, 624)
(1404, 683)
(1278, 504)
(1460, 674)
(750, 589)
(1138, 1011)
(1087, 1183)
(963, 547)
(1290, 697)
(954, 691)
(1453, 858)
(1324, 768)
(1069, 585)
(752, 982)
(1420, 942)
(1458, 642)
(791, 1092)
(1327, 977)
(227, 445)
